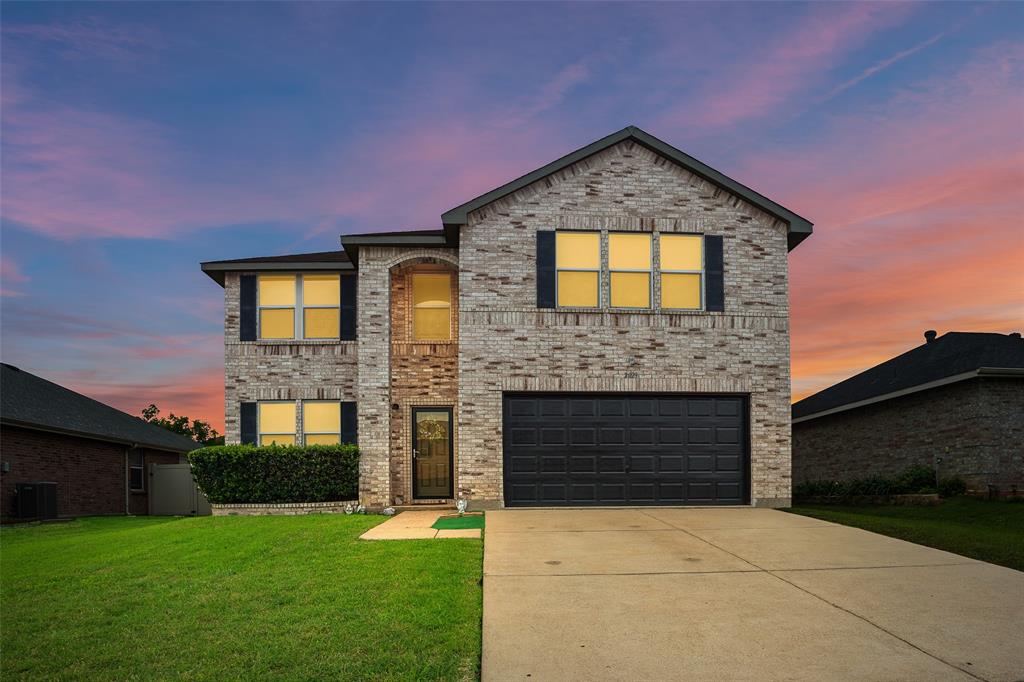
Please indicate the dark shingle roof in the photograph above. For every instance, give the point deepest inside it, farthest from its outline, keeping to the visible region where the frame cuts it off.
(321, 260)
(33, 402)
(949, 355)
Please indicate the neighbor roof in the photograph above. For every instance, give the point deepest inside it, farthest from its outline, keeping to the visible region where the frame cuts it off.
(799, 228)
(30, 401)
(321, 260)
(955, 356)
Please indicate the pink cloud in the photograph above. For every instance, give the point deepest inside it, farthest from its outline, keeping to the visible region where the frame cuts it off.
(91, 37)
(792, 62)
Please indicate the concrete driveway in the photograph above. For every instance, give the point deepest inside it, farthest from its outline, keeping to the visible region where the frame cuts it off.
(736, 594)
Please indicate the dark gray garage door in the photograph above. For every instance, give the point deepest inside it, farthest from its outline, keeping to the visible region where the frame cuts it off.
(597, 449)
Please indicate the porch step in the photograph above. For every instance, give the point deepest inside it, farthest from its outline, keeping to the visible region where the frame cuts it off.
(436, 506)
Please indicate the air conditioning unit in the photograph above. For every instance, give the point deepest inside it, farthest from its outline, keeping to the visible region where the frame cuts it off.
(36, 500)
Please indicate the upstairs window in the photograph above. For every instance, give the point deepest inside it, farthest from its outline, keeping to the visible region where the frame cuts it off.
(321, 422)
(276, 422)
(321, 306)
(578, 267)
(629, 265)
(432, 306)
(317, 296)
(682, 271)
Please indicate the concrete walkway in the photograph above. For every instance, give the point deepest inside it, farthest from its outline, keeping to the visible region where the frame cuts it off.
(416, 525)
(736, 594)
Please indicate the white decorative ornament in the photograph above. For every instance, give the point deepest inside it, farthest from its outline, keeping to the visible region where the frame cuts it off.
(360, 509)
(348, 509)
(389, 511)
(461, 506)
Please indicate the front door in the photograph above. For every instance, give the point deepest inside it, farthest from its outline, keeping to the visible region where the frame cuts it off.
(432, 452)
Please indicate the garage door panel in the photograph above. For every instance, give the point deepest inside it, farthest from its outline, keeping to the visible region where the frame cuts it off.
(625, 450)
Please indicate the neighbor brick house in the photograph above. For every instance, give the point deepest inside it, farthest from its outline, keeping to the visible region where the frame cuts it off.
(97, 455)
(956, 402)
(612, 328)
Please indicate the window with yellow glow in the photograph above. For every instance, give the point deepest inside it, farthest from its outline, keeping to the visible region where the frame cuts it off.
(277, 423)
(321, 311)
(277, 306)
(682, 271)
(629, 264)
(578, 269)
(321, 422)
(432, 306)
(317, 297)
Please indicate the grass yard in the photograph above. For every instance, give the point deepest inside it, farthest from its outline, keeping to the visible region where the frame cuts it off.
(980, 529)
(218, 598)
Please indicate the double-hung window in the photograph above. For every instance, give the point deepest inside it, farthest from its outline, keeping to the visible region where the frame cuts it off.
(321, 422)
(682, 271)
(578, 266)
(136, 470)
(318, 297)
(629, 266)
(432, 306)
(277, 422)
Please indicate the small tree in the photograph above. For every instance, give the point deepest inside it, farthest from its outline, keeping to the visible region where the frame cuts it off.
(197, 430)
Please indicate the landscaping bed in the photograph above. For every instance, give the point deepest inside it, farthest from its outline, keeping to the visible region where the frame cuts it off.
(214, 598)
(987, 530)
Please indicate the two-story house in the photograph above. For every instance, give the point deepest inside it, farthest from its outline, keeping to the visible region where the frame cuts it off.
(610, 329)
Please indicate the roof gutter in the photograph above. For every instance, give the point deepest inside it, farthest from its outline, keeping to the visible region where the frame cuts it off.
(216, 270)
(992, 372)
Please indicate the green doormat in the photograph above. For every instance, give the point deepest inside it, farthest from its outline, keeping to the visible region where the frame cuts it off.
(459, 522)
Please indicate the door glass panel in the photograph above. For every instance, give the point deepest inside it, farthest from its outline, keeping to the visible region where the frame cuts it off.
(432, 453)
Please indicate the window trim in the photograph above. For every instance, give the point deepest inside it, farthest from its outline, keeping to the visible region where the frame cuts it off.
(600, 270)
(321, 433)
(700, 273)
(649, 271)
(413, 306)
(298, 308)
(259, 419)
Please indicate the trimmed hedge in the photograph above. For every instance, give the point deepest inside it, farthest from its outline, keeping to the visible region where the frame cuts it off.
(913, 480)
(250, 474)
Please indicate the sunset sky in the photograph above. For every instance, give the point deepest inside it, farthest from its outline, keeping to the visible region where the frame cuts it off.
(141, 138)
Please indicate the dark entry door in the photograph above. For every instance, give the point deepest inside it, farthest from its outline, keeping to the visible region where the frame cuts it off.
(625, 449)
(432, 452)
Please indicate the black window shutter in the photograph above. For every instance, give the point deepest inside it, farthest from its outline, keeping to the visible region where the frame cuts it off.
(247, 308)
(348, 307)
(349, 423)
(546, 269)
(714, 271)
(248, 423)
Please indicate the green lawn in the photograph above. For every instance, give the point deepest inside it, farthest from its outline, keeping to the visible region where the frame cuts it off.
(990, 531)
(297, 598)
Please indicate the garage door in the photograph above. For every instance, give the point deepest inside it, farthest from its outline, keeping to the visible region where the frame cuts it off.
(598, 449)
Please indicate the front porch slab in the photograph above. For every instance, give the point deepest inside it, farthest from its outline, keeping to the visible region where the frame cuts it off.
(416, 525)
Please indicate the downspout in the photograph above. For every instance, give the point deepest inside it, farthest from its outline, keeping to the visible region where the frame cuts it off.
(127, 454)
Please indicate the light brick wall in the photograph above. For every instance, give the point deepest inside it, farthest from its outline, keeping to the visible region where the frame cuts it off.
(507, 344)
(279, 370)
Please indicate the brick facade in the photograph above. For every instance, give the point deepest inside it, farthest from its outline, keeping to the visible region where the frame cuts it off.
(976, 427)
(90, 474)
(505, 343)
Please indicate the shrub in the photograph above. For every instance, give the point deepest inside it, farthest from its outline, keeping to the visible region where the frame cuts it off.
(248, 474)
(952, 487)
(913, 480)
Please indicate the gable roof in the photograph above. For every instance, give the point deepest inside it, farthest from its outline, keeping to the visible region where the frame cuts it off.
(955, 356)
(32, 402)
(799, 228)
(321, 260)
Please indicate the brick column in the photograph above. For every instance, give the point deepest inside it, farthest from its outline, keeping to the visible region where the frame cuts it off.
(374, 371)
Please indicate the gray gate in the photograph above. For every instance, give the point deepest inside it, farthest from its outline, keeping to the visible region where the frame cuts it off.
(173, 492)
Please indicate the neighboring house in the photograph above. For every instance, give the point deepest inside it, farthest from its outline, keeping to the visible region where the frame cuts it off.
(956, 403)
(610, 329)
(97, 455)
